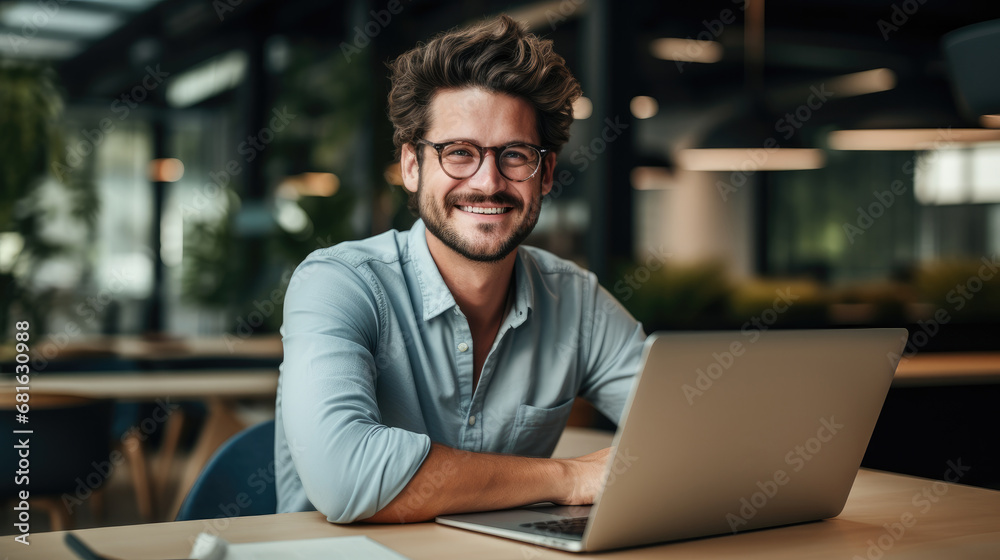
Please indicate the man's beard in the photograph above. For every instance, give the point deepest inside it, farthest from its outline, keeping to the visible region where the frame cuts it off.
(436, 221)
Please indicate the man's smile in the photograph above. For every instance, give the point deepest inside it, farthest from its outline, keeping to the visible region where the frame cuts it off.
(485, 209)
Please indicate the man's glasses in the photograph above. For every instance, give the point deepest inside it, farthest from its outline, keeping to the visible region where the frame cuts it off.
(461, 160)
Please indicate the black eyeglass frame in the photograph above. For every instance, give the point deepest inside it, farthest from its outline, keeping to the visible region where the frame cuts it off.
(497, 150)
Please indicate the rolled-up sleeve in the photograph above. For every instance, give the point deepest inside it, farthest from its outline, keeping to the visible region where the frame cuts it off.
(350, 464)
(614, 352)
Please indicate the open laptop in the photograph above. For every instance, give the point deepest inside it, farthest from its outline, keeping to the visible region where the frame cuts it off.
(725, 432)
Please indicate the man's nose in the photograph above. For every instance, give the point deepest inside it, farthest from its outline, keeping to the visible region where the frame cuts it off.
(488, 179)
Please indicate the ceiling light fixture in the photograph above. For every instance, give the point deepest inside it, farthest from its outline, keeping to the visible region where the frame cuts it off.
(750, 160)
(643, 107)
(686, 50)
(583, 107)
(861, 83)
(908, 139)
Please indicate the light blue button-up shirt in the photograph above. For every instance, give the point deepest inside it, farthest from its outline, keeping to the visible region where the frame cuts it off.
(378, 364)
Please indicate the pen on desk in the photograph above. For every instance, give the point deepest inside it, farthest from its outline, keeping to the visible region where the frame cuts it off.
(82, 550)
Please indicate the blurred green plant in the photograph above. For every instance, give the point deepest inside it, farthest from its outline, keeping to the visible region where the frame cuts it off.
(702, 296)
(796, 301)
(883, 303)
(30, 108)
(211, 276)
(968, 290)
(674, 296)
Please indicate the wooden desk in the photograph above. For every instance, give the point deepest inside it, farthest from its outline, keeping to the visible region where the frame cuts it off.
(963, 523)
(130, 347)
(219, 389)
(948, 368)
(148, 386)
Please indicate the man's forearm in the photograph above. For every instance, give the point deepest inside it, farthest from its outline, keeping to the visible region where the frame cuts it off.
(455, 481)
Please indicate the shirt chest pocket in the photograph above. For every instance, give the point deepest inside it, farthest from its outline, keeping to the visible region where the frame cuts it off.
(536, 430)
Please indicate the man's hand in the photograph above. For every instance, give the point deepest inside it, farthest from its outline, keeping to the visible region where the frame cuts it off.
(453, 481)
(586, 476)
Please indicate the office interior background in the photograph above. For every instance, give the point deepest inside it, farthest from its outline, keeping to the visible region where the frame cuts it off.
(733, 165)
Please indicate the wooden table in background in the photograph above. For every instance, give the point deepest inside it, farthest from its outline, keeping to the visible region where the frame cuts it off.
(133, 347)
(218, 389)
(948, 368)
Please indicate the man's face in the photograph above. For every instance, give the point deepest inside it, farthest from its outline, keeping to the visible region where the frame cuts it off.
(448, 205)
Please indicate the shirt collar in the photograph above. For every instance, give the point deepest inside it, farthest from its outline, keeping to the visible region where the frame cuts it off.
(524, 296)
(437, 297)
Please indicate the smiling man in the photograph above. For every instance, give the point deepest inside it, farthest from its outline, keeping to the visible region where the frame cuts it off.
(432, 371)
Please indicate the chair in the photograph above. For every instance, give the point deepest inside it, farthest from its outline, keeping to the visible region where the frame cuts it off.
(238, 480)
(70, 452)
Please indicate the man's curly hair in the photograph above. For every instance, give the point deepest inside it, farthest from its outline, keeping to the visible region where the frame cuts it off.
(498, 55)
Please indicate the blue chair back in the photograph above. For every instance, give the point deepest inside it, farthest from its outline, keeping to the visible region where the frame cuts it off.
(238, 480)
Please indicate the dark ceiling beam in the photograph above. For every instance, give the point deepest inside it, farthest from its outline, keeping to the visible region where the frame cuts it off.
(171, 29)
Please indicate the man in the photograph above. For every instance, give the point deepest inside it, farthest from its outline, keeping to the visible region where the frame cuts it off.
(432, 371)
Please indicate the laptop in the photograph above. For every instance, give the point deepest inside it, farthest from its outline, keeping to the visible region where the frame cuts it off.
(725, 432)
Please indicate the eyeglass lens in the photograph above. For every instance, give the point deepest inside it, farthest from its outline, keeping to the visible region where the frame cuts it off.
(517, 162)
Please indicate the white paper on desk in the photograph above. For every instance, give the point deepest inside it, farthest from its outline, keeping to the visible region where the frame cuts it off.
(331, 548)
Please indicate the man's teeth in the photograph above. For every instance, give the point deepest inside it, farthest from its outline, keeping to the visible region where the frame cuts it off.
(480, 210)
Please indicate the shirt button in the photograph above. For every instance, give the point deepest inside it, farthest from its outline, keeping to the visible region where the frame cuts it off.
(462, 347)
(472, 420)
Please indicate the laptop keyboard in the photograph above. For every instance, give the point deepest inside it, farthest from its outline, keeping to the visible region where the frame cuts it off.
(564, 526)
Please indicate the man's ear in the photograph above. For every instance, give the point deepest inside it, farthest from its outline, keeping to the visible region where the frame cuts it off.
(548, 172)
(409, 168)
